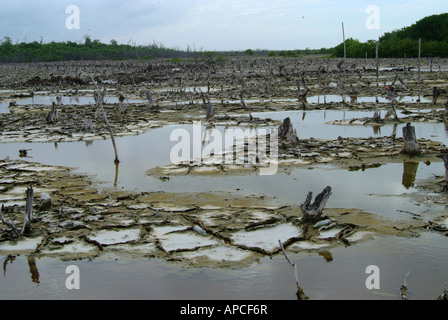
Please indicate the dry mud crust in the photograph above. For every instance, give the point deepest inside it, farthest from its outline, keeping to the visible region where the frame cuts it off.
(194, 229)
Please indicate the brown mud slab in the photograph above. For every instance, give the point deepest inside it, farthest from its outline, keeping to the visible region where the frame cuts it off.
(193, 229)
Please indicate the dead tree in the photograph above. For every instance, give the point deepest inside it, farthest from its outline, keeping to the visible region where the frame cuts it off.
(112, 138)
(28, 217)
(101, 113)
(53, 115)
(313, 212)
(445, 114)
(209, 110)
(149, 98)
(287, 132)
(435, 94)
(243, 88)
(411, 146)
(394, 111)
(445, 160)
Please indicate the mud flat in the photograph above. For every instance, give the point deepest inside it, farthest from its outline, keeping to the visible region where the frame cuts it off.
(206, 229)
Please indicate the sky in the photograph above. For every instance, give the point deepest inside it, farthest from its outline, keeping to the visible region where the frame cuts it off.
(213, 25)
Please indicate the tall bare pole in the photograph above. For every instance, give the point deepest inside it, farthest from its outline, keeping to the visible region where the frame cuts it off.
(419, 56)
(345, 48)
(377, 61)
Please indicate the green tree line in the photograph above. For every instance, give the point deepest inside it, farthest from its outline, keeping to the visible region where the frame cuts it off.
(88, 50)
(432, 30)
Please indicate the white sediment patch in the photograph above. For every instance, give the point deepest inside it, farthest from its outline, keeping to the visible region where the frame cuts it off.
(21, 246)
(111, 237)
(266, 238)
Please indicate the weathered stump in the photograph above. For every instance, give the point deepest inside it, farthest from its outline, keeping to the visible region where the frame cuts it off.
(149, 98)
(376, 116)
(52, 116)
(313, 212)
(411, 146)
(435, 94)
(287, 132)
(445, 160)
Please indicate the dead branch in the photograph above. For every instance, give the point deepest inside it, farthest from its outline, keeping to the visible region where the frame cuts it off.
(300, 293)
(9, 224)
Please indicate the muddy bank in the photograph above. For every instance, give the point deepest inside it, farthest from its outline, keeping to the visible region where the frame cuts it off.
(346, 153)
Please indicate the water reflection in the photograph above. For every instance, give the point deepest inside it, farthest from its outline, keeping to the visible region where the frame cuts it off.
(376, 130)
(117, 164)
(33, 269)
(409, 173)
(34, 272)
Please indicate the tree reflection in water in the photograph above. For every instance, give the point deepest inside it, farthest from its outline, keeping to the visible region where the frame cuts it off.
(31, 264)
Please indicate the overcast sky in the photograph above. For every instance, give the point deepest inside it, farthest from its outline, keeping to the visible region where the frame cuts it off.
(213, 24)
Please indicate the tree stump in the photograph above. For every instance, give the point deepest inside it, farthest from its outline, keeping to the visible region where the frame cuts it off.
(52, 116)
(411, 146)
(313, 212)
(287, 132)
(435, 94)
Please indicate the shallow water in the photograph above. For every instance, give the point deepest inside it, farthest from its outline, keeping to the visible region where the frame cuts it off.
(140, 153)
(342, 276)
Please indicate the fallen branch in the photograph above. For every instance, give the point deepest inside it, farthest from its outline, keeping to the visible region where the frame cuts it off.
(300, 293)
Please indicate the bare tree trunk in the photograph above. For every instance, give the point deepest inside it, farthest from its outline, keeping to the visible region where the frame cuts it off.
(445, 160)
(419, 56)
(313, 212)
(435, 94)
(112, 137)
(377, 60)
(411, 146)
(28, 216)
(446, 111)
